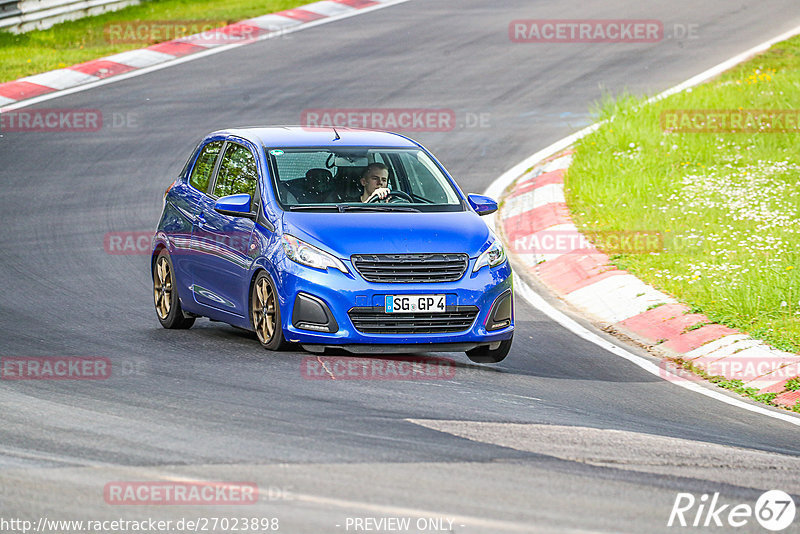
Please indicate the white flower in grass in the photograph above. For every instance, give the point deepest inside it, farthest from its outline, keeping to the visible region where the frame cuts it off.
(784, 304)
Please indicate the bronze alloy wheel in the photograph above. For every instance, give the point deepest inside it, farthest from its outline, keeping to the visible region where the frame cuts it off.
(165, 295)
(266, 313)
(162, 287)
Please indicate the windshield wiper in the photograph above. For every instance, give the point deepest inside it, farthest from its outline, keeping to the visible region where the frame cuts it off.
(352, 207)
(375, 207)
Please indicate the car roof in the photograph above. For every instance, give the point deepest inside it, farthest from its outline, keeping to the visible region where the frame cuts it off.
(299, 136)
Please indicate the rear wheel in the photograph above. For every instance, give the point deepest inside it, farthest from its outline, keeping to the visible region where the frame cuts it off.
(265, 313)
(165, 295)
(487, 355)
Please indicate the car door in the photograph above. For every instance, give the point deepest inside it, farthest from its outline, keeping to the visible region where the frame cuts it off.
(189, 204)
(222, 241)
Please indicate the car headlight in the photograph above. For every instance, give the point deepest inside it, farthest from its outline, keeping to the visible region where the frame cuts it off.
(305, 254)
(493, 256)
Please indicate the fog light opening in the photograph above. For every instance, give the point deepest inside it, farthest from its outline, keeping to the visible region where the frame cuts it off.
(311, 313)
(501, 312)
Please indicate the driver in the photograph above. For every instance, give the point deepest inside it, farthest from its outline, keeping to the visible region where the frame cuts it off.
(375, 181)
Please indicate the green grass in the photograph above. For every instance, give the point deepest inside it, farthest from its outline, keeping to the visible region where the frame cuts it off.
(737, 386)
(793, 384)
(728, 204)
(82, 40)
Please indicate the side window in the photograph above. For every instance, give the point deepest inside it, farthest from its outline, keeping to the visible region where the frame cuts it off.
(204, 166)
(237, 172)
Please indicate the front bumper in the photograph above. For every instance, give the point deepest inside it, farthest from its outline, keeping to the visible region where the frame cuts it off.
(341, 293)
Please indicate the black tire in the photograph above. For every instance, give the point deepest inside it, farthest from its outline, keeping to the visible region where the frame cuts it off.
(265, 313)
(165, 295)
(486, 355)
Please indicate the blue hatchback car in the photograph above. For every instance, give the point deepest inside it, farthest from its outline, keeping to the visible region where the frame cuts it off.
(327, 237)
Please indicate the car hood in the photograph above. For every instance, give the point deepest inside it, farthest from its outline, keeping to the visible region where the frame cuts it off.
(345, 234)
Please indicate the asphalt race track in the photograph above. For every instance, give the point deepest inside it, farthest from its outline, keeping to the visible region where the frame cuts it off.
(516, 447)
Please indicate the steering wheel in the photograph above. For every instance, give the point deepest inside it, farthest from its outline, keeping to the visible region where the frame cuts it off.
(399, 194)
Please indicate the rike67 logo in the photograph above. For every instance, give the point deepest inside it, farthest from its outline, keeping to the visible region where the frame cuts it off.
(774, 510)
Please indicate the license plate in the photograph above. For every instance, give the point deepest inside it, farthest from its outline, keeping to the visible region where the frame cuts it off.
(415, 303)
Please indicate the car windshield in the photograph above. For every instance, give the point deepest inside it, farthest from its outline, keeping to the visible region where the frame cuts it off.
(342, 178)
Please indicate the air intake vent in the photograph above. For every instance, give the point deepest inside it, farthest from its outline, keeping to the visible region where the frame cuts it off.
(377, 321)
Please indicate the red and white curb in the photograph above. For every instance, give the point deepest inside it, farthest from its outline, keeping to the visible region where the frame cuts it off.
(161, 54)
(583, 277)
(535, 208)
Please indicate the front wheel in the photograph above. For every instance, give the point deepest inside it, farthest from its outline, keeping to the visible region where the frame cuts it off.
(487, 355)
(165, 295)
(265, 313)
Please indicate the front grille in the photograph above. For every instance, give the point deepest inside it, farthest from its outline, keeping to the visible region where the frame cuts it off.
(377, 321)
(407, 268)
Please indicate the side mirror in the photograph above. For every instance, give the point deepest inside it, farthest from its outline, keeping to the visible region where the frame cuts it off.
(481, 204)
(235, 206)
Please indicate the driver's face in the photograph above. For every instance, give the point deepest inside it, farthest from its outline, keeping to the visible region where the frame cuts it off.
(376, 179)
